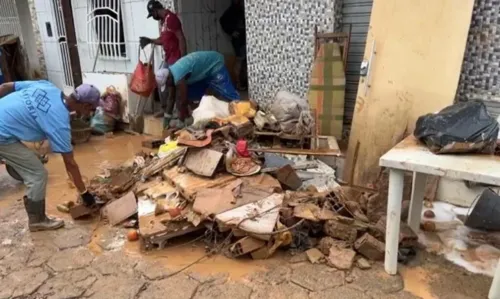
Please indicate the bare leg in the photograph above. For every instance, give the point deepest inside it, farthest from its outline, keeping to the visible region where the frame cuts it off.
(396, 181)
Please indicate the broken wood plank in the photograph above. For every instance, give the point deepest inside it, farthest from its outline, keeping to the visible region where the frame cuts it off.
(202, 161)
(213, 201)
(189, 184)
(158, 190)
(169, 160)
(245, 245)
(257, 218)
(120, 209)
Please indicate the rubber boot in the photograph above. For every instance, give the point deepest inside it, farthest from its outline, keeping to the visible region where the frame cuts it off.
(38, 220)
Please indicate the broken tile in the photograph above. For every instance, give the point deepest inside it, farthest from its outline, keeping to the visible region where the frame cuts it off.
(314, 255)
(370, 247)
(341, 258)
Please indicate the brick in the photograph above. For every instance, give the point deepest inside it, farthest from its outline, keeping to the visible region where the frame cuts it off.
(341, 231)
(370, 247)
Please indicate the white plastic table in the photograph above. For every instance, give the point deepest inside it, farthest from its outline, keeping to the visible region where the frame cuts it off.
(410, 155)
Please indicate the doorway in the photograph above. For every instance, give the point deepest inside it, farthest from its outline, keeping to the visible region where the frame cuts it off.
(202, 28)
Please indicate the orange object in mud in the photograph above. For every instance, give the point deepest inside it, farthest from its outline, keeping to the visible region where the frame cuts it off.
(132, 235)
(174, 212)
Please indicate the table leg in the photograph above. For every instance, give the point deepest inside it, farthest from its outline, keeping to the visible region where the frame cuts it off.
(396, 182)
(495, 285)
(417, 200)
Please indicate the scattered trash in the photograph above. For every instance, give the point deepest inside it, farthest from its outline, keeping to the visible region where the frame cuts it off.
(485, 212)
(65, 206)
(460, 128)
(132, 235)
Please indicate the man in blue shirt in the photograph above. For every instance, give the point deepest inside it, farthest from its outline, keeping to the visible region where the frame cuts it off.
(34, 111)
(193, 74)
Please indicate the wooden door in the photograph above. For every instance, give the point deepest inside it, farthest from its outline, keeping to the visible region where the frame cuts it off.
(418, 50)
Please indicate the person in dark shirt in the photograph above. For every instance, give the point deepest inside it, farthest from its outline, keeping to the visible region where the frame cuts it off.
(174, 46)
(233, 24)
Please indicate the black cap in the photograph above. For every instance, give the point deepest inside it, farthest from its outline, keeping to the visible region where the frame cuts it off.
(152, 6)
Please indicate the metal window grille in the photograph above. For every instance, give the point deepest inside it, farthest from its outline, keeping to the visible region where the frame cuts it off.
(105, 30)
(9, 19)
(63, 43)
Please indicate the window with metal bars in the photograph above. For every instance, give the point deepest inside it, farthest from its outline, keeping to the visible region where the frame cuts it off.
(105, 28)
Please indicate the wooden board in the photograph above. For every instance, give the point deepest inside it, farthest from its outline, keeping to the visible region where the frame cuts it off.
(419, 47)
(188, 183)
(120, 209)
(265, 210)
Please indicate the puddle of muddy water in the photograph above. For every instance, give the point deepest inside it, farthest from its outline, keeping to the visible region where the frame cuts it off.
(416, 281)
(91, 156)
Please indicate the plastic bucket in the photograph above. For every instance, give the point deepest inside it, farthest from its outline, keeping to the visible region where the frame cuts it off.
(484, 214)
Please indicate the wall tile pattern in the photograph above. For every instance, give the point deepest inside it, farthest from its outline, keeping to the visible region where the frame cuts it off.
(280, 44)
(480, 77)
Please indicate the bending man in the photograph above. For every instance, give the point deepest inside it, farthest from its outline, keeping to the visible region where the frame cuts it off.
(34, 111)
(193, 75)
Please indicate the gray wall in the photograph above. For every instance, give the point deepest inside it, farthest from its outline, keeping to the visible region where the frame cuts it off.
(481, 67)
(280, 44)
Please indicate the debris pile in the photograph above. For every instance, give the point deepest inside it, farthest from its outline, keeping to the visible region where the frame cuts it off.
(219, 184)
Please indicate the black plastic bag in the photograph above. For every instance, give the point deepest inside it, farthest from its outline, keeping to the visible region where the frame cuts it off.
(459, 128)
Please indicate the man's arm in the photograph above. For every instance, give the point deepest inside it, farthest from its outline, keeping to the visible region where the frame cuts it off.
(182, 42)
(6, 88)
(144, 41)
(74, 171)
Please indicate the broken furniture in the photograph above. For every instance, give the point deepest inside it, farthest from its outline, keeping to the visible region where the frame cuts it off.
(328, 80)
(411, 155)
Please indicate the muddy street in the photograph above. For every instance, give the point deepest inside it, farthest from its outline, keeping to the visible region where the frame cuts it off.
(90, 259)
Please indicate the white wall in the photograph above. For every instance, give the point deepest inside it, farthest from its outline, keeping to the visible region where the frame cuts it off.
(28, 35)
(45, 13)
(135, 25)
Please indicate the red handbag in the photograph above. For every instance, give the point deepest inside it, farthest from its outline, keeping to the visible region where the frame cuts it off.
(143, 80)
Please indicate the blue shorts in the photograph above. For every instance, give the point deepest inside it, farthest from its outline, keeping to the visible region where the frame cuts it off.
(220, 82)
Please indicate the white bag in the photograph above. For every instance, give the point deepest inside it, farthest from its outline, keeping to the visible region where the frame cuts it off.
(210, 107)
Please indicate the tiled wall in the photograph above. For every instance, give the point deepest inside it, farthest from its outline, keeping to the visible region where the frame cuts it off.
(280, 44)
(480, 77)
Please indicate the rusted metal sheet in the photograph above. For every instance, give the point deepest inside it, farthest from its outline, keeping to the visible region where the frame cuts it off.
(202, 161)
(189, 184)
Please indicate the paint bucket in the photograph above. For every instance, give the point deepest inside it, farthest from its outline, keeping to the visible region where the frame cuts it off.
(484, 213)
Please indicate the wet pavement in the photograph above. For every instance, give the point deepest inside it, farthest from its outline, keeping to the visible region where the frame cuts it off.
(90, 259)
